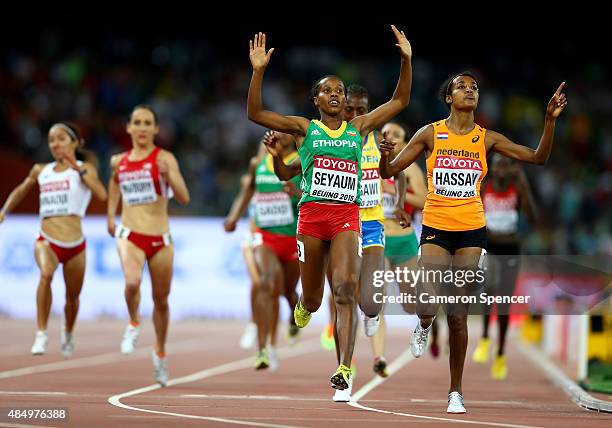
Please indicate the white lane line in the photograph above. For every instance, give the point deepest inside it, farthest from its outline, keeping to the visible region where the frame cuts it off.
(43, 393)
(433, 418)
(404, 358)
(111, 357)
(252, 397)
(558, 378)
(394, 367)
(304, 348)
(485, 402)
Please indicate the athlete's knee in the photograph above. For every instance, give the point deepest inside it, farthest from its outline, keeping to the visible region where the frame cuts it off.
(344, 291)
(46, 275)
(457, 323)
(132, 283)
(72, 298)
(160, 301)
(267, 282)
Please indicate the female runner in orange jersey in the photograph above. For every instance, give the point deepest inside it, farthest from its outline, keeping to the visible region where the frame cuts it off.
(454, 227)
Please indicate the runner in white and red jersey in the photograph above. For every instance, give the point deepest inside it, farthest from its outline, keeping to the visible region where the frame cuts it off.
(66, 186)
(144, 178)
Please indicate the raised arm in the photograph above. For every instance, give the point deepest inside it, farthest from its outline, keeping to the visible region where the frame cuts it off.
(293, 125)
(169, 168)
(241, 202)
(498, 143)
(419, 143)
(401, 97)
(20, 192)
(114, 195)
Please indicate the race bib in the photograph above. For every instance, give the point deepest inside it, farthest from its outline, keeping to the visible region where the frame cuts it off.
(370, 188)
(334, 179)
(273, 209)
(388, 204)
(54, 198)
(456, 178)
(137, 187)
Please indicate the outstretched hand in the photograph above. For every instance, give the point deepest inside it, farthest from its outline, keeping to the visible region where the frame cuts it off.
(272, 143)
(402, 43)
(257, 52)
(557, 103)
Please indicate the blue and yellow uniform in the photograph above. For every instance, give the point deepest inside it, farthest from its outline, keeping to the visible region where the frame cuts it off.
(370, 210)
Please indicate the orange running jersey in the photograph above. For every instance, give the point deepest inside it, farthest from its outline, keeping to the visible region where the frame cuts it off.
(455, 170)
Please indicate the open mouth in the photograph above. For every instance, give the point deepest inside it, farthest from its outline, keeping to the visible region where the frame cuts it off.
(334, 103)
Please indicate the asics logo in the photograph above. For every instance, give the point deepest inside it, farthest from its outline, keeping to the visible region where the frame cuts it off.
(430, 237)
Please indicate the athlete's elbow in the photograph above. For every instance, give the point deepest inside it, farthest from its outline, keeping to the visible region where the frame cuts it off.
(539, 160)
(254, 113)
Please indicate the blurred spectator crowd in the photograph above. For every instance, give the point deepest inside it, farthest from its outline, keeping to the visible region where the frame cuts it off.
(199, 92)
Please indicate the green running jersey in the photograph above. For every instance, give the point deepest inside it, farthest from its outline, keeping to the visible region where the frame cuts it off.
(331, 164)
(275, 211)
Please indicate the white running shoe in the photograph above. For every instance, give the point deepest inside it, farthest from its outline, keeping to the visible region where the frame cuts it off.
(247, 340)
(418, 341)
(67, 343)
(273, 357)
(455, 403)
(40, 343)
(344, 395)
(130, 337)
(160, 370)
(370, 325)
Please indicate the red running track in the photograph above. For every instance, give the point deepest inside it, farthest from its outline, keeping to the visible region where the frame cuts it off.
(213, 383)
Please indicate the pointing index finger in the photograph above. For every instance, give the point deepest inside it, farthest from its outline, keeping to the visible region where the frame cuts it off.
(560, 88)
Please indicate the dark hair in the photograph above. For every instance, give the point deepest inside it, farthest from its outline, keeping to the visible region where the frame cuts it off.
(81, 152)
(73, 131)
(145, 107)
(314, 90)
(355, 90)
(445, 88)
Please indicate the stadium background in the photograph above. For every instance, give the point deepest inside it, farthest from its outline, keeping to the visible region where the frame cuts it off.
(196, 78)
